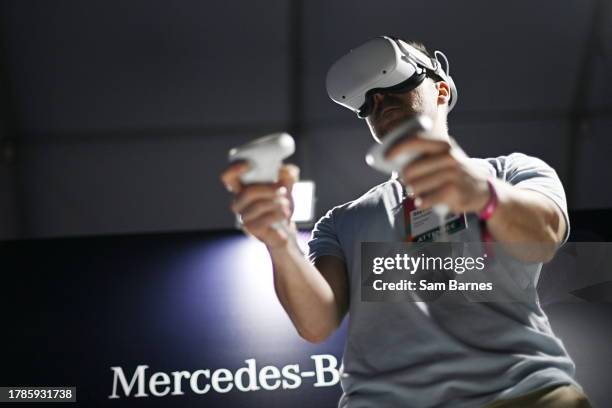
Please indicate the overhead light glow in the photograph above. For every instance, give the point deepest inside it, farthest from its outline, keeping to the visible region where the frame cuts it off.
(303, 194)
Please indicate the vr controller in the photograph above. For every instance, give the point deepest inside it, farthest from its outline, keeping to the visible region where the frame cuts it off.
(418, 126)
(265, 157)
(411, 128)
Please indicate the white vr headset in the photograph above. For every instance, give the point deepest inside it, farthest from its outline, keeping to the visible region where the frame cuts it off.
(383, 65)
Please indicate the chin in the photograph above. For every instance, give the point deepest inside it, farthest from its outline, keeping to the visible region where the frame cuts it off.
(384, 128)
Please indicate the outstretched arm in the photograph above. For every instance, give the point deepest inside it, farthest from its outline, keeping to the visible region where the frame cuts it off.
(314, 296)
(447, 176)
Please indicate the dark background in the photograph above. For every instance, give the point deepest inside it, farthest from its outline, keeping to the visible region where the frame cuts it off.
(116, 116)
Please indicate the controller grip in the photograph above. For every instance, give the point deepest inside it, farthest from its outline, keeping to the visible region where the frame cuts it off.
(376, 156)
(265, 157)
(441, 209)
(261, 172)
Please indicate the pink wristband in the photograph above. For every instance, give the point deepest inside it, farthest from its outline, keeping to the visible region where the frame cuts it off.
(491, 205)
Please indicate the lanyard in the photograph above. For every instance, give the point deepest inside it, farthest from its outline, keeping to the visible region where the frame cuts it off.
(409, 206)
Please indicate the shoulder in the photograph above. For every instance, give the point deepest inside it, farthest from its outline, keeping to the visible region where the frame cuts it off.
(369, 199)
(338, 222)
(515, 167)
(372, 197)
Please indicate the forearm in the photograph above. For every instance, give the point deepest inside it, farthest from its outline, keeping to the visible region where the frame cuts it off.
(528, 221)
(304, 293)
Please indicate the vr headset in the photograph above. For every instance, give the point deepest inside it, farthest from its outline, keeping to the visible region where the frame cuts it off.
(383, 65)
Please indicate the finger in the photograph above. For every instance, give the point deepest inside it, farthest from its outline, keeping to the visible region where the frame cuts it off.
(428, 164)
(261, 207)
(445, 194)
(426, 184)
(288, 175)
(231, 176)
(254, 192)
(418, 145)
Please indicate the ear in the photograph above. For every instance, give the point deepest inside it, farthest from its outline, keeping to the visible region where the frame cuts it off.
(443, 92)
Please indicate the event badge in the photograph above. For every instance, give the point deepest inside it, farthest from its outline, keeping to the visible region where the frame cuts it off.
(423, 225)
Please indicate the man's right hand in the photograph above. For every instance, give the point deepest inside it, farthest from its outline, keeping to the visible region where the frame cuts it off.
(315, 297)
(260, 206)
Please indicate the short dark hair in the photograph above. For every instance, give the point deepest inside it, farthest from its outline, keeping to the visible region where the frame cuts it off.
(419, 46)
(413, 43)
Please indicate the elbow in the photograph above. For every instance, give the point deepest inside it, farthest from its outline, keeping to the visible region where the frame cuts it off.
(548, 253)
(315, 339)
(541, 248)
(552, 237)
(315, 336)
(555, 232)
(548, 245)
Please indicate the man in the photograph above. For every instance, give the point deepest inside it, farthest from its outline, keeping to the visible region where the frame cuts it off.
(405, 354)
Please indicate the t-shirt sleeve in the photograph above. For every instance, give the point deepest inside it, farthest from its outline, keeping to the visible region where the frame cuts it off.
(324, 239)
(534, 174)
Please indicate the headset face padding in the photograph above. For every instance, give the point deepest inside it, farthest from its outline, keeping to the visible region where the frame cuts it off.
(367, 108)
(382, 64)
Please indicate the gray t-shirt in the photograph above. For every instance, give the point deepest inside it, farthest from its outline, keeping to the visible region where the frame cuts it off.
(399, 354)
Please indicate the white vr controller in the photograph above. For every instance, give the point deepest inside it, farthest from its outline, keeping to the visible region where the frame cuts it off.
(265, 157)
(419, 126)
